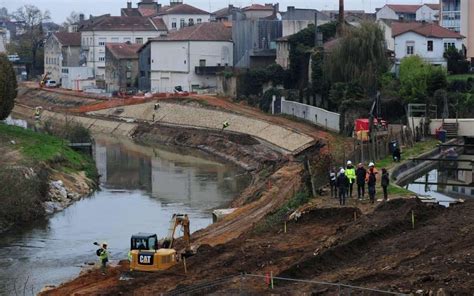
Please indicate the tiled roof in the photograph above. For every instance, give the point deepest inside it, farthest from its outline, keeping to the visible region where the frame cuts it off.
(433, 6)
(68, 39)
(121, 23)
(404, 8)
(181, 9)
(258, 7)
(124, 50)
(159, 23)
(200, 32)
(130, 12)
(425, 29)
(147, 11)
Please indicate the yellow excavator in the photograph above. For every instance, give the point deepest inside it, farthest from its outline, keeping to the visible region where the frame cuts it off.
(149, 254)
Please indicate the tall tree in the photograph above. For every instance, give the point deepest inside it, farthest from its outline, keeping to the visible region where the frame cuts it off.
(360, 57)
(8, 87)
(72, 19)
(31, 41)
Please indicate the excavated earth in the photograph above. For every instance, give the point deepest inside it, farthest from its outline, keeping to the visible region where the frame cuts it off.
(377, 250)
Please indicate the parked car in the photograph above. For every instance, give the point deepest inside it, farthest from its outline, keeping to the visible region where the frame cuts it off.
(51, 83)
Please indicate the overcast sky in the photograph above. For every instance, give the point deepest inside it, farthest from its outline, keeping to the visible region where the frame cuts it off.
(60, 9)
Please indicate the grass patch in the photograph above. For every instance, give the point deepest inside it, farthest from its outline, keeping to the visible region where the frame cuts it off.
(398, 191)
(40, 147)
(417, 149)
(460, 77)
(279, 217)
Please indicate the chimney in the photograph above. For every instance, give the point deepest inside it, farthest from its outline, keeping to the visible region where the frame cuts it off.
(341, 17)
(290, 8)
(81, 17)
(129, 5)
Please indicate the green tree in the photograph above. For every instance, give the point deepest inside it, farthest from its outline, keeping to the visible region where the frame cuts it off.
(8, 87)
(457, 63)
(359, 57)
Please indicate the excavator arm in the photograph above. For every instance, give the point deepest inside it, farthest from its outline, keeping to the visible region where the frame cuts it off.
(183, 221)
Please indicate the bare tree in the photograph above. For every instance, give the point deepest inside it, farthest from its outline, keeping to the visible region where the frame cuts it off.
(31, 38)
(72, 19)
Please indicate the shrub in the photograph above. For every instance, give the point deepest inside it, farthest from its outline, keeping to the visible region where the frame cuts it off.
(8, 86)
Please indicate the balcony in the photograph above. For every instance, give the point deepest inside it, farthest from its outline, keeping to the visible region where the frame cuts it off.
(206, 70)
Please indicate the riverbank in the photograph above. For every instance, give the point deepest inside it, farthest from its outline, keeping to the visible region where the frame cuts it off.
(43, 175)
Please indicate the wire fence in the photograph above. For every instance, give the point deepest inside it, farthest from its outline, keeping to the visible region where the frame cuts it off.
(245, 284)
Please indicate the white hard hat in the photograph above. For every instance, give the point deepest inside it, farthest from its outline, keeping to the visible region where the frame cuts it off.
(104, 244)
(371, 164)
(342, 171)
(349, 162)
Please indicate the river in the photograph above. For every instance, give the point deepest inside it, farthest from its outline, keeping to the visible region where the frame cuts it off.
(141, 187)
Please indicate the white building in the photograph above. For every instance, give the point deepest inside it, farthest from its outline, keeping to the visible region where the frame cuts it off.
(116, 29)
(77, 78)
(386, 26)
(427, 40)
(458, 15)
(425, 12)
(178, 16)
(189, 58)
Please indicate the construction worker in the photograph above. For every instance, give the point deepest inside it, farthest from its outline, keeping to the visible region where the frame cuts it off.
(371, 181)
(38, 113)
(384, 182)
(351, 175)
(332, 182)
(361, 173)
(103, 257)
(342, 186)
(225, 125)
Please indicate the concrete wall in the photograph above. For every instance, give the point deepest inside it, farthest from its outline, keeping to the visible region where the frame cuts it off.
(318, 116)
(71, 77)
(466, 126)
(283, 54)
(227, 87)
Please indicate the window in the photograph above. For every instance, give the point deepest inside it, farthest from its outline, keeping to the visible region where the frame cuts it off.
(191, 22)
(115, 40)
(199, 21)
(448, 45)
(142, 73)
(149, 61)
(202, 63)
(102, 41)
(173, 25)
(129, 75)
(181, 23)
(410, 47)
(127, 39)
(102, 59)
(430, 45)
(139, 40)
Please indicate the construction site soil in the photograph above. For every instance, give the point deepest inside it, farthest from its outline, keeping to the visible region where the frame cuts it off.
(378, 250)
(360, 244)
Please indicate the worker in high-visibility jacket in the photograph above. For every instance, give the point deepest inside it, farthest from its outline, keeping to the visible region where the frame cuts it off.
(103, 257)
(225, 125)
(351, 175)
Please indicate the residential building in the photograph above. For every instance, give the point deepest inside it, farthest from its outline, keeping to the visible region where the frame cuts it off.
(116, 29)
(226, 14)
(121, 66)
(255, 42)
(77, 78)
(397, 12)
(428, 12)
(427, 40)
(179, 15)
(189, 58)
(297, 19)
(458, 15)
(61, 50)
(258, 11)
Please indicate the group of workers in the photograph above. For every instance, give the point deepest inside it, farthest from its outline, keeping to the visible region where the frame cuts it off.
(342, 182)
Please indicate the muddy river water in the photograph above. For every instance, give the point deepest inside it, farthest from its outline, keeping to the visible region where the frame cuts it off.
(141, 188)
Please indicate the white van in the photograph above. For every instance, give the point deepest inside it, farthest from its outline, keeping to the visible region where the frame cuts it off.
(51, 83)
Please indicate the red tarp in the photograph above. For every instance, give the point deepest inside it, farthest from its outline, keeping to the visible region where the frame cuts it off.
(362, 124)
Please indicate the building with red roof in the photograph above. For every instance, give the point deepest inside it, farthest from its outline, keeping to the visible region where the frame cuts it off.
(121, 66)
(409, 12)
(61, 50)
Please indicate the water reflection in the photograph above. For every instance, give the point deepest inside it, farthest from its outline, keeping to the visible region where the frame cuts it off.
(450, 181)
(141, 188)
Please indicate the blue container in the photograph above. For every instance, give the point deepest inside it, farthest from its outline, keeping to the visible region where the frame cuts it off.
(442, 136)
